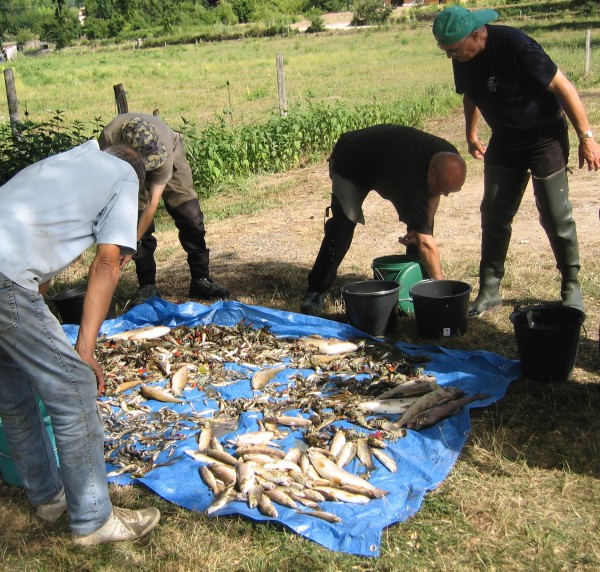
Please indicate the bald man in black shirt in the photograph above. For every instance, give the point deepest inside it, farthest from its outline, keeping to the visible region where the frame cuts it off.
(410, 168)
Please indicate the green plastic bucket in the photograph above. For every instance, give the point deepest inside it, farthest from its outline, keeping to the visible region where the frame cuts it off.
(7, 465)
(403, 269)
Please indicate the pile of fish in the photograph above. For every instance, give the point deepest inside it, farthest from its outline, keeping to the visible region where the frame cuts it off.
(324, 381)
(261, 474)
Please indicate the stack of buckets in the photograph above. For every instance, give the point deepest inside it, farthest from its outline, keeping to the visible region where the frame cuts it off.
(7, 465)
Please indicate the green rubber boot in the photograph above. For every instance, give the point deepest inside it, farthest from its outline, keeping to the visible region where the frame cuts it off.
(501, 200)
(552, 200)
(489, 293)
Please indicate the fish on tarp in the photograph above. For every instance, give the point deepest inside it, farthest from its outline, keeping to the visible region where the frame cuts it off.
(179, 380)
(363, 452)
(330, 471)
(260, 449)
(128, 385)
(144, 333)
(337, 443)
(222, 456)
(265, 506)
(254, 438)
(288, 421)
(245, 477)
(209, 479)
(327, 346)
(424, 402)
(280, 497)
(205, 437)
(411, 388)
(436, 413)
(340, 495)
(159, 395)
(228, 495)
(385, 460)
(323, 515)
(262, 377)
(254, 494)
(387, 406)
(347, 454)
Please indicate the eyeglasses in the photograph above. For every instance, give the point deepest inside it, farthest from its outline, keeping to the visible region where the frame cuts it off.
(456, 49)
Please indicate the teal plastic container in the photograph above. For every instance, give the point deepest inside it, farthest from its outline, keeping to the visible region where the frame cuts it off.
(7, 465)
(403, 269)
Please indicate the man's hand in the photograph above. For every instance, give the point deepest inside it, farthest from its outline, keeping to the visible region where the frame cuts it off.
(476, 148)
(124, 261)
(100, 382)
(408, 239)
(589, 152)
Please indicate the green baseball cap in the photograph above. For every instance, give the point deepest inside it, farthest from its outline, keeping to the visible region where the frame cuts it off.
(141, 136)
(455, 23)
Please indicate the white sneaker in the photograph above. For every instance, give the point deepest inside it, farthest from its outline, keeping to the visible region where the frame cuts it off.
(123, 524)
(53, 510)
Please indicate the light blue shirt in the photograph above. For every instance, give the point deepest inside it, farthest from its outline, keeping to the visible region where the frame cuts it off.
(55, 209)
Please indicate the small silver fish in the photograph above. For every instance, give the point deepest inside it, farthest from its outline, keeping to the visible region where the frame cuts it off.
(228, 495)
(265, 506)
(385, 460)
(322, 515)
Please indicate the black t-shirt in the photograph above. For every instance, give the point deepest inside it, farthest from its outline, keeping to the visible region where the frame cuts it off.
(508, 81)
(392, 160)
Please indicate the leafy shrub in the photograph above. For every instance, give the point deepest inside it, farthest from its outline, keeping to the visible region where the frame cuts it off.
(220, 152)
(32, 142)
(317, 24)
(370, 12)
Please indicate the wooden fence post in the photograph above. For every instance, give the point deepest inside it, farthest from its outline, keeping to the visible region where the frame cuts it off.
(120, 98)
(11, 96)
(588, 50)
(281, 85)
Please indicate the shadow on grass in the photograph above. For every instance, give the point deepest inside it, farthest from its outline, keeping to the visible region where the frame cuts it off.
(547, 426)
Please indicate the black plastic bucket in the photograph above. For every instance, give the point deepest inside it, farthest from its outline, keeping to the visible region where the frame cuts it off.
(441, 307)
(372, 305)
(69, 305)
(547, 340)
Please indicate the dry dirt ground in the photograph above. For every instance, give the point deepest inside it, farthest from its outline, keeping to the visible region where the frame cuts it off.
(263, 258)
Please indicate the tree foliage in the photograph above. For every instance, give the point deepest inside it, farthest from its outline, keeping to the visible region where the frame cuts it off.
(52, 20)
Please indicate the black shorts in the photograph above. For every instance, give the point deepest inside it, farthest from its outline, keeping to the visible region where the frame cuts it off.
(543, 153)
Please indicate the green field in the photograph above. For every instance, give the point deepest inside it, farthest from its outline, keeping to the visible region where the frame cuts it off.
(238, 80)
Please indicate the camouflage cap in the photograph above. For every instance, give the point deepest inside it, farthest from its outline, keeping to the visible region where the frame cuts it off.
(141, 136)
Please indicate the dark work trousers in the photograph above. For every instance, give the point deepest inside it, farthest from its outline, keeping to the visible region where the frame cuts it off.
(507, 167)
(189, 220)
(339, 231)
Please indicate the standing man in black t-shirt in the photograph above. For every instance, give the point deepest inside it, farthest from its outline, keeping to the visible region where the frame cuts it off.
(506, 77)
(408, 167)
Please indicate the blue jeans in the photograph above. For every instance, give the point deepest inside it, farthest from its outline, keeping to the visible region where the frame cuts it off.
(37, 358)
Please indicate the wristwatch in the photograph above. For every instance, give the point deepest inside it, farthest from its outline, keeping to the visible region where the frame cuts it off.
(587, 135)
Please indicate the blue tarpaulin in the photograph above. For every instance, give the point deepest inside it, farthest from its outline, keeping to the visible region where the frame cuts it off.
(424, 458)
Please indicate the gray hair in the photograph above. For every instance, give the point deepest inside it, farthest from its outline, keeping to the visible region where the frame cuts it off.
(131, 156)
